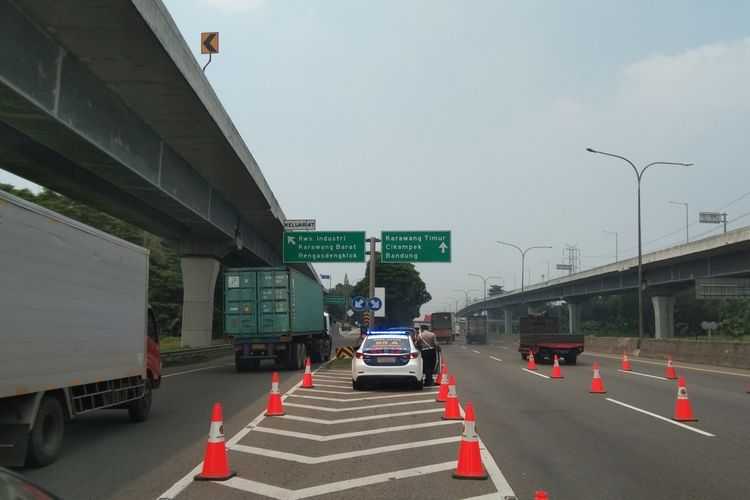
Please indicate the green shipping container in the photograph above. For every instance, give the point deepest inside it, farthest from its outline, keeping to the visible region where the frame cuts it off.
(272, 301)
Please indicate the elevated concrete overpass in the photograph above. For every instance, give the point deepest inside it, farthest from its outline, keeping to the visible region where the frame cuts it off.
(102, 100)
(664, 273)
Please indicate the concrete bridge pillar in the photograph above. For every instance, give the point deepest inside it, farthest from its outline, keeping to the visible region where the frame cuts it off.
(199, 282)
(574, 318)
(663, 316)
(508, 316)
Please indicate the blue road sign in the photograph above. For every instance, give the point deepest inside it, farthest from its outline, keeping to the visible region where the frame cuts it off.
(374, 303)
(359, 303)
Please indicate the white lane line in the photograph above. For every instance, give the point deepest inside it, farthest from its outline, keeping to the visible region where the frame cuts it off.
(334, 379)
(503, 487)
(355, 408)
(463, 347)
(475, 351)
(358, 419)
(308, 460)
(339, 386)
(346, 400)
(496, 359)
(662, 363)
(324, 391)
(325, 489)
(534, 373)
(664, 419)
(642, 374)
(213, 367)
(322, 438)
(503, 347)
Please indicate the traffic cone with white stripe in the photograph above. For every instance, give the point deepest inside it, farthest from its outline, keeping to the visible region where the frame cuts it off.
(671, 374)
(469, 465)
(625, 363)
(683, 411)
(452, 410)
(442, 394)
(532, 362)
(275, 407)
(307, 379)
(597, 385)
(216, 459)
(556, 371)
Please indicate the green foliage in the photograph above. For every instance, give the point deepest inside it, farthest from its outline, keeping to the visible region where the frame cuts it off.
(338, 312)
(405, 291)
(495, 290)
(165, 277)
(735, 316)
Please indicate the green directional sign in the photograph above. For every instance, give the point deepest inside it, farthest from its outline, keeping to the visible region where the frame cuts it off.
(323, 246)
(334, 300)
(415, 246)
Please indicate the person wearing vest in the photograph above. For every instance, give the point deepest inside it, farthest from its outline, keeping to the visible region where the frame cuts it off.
(427, 344)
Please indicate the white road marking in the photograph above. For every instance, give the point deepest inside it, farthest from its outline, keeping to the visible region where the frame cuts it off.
(324, 489)
(304, 459)
(663, 363)
(334, 379)
(503, 347)
(358, 419)
(503, 487)
(496, 359)
(535, 373)
(339, 386)
(463, 347)
(475, 351)
(324, 391)
(346, 435)
(355, 408)
(212, 367)
(642, 374)
(346, 400)
(665, 419)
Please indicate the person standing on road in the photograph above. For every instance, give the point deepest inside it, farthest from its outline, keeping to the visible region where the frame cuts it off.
(427, 344)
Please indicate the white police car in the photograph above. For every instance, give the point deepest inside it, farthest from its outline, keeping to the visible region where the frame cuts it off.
(387, 355)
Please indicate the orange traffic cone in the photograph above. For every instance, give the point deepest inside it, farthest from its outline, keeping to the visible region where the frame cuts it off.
(532, 362)
(275, 407)
(541, 495)
(556, 372)
(307, 381)
(216, 459)
(671, 374)
(452, 411)
(443, 392)
(683, 412)
(625, 363)
(597, 385)
(469, 464)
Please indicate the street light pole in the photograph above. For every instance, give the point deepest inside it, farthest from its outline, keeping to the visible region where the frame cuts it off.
(616, 244)
(466, 293)
(639, 176)
(523, 257)
(485, 280)
(687, 218)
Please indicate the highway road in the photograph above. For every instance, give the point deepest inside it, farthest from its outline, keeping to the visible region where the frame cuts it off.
(539, 434)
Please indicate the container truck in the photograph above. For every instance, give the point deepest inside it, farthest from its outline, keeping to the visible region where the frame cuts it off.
(275, 313)
(476, 330)
(541, 335)
(442, 325)
(77, 334)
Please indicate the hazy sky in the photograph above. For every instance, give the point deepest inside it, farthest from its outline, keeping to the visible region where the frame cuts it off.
(474, 116)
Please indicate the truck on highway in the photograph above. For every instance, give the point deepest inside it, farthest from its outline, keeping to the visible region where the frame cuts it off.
(275, 313)
(77, 333)
(442, 324)
(476, 330)
(541, 335)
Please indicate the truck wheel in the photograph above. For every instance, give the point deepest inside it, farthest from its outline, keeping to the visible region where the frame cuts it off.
(46, 437)
(140, 408)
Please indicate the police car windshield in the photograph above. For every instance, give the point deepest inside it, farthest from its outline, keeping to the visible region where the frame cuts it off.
(386, 345)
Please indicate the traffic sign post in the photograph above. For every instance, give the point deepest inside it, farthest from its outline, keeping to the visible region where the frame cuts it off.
(359, 303)
(299, 224)
(323, 246)
(416, 246)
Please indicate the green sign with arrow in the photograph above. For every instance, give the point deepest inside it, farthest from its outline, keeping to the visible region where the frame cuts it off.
(323, 246)
(415, 246)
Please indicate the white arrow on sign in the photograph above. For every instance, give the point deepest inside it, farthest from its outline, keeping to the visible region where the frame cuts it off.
(443, 247)
(291, 240)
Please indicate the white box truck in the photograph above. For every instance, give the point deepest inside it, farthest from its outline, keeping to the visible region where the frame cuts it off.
(76, 333)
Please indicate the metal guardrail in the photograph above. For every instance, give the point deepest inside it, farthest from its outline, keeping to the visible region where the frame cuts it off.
(181, 355)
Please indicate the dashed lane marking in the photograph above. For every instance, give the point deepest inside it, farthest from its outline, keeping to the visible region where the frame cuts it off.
(663, 419)
(359, 419)
(346, 435)
(324, 489)
(308, 460)
(661, 363)
(355, 408)
(496, 359)
(642, 374)
(475, 351)
(535, 373)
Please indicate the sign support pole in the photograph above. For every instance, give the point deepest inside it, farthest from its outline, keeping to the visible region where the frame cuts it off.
(373, 255)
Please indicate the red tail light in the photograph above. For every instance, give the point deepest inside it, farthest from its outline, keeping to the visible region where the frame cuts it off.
(415, 355)
(358, 355)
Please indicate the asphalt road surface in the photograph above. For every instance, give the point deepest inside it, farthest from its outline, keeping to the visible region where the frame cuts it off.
(538, 433)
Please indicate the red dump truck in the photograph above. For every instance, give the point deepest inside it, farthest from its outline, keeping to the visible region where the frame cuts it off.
(442, 325)
(541, 335)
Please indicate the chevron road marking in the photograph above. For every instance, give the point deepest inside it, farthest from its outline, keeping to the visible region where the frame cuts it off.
(355, 408)
(346, 435)
(359, 419)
